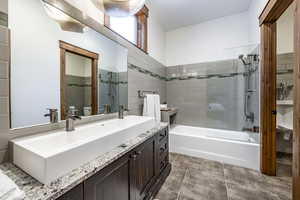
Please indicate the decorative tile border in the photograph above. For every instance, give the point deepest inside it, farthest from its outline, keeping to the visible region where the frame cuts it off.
(146, 72)
(208, 76)
(113, 82)
(286, 71)
(79, 85)
(185, 77)
(3, 19)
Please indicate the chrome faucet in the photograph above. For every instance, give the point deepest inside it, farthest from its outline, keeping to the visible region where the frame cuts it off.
(121, 112)
(70, 119)
(53, 114)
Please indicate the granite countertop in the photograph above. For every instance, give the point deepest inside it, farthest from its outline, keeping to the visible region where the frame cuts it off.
(35, 190)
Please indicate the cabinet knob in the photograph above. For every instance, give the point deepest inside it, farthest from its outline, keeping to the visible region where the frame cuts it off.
(133, 156)
(138, 153)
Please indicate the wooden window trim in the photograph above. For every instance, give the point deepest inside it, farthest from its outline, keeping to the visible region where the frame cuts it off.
(142, 29)
(64, 48)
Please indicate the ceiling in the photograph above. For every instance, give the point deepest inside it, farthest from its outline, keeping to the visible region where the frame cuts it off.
(178, 13)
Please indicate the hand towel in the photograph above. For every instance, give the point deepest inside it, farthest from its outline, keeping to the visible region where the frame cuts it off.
(149, 108)
(9, 190)
(157, 108)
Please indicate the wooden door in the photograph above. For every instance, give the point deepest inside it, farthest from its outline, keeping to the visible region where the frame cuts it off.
(112, 183)
(296, 139)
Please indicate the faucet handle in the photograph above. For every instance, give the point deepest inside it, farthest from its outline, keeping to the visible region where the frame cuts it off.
(51, 111)
(53, 114)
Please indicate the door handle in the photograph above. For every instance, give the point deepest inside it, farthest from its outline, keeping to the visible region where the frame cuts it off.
(274, 112)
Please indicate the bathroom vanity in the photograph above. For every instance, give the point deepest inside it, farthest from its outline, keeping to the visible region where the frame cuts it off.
(84, 75)
(135, 176)
(134, 168)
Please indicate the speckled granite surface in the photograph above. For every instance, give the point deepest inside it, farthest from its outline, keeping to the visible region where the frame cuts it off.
(35, 190)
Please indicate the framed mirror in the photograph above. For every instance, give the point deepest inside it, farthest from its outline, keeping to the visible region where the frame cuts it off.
(78, 81)
(58, 63)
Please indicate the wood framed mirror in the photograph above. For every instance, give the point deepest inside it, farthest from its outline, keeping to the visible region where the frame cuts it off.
(79, 80)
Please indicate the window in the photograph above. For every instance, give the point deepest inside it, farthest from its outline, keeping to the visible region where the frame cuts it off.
(133, 28)
(125, 26)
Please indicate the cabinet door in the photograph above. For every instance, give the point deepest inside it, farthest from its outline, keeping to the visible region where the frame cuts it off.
(111, 183)
(144, 167)
(74, 194)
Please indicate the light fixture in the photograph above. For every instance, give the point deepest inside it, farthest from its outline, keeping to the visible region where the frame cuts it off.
(119, 8)
(66, 22)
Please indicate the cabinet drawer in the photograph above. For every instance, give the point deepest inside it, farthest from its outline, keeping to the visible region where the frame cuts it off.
(164, 147)
(164, 162)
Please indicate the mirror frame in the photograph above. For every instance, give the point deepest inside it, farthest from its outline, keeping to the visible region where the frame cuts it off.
(64, 48)
(76, 14)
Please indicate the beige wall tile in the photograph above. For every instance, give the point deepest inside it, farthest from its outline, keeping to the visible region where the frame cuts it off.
(4, 105)
(4, 70)
(4, 35)
(4, 52)
(4, 88)
(4, 124)
(3, 156)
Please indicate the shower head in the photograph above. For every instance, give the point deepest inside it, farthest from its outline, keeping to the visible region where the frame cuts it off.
(242, 58)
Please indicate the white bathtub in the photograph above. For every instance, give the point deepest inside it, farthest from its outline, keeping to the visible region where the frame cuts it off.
(231, 147)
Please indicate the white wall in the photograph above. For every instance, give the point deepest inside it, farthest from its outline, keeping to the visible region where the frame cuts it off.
(219, 39)
(156, 37)
(35, 60)
(209, 41)
(285, 31)
(255, 9)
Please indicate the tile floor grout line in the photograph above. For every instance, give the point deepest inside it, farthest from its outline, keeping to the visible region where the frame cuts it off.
(179, 192)
(225, 181)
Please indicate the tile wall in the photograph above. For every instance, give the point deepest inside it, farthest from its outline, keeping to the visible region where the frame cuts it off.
(208, 94)
(148, 75)
(4, 86)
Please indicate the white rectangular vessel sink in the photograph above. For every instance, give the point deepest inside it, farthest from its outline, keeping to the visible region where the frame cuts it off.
(47, 157)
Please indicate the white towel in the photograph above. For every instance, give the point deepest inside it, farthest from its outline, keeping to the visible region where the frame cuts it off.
(157, 108)
(149, 108)
(9, 190)
(152, 107)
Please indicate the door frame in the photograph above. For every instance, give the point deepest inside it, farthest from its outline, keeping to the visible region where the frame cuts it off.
(64, 48)
(271, 13)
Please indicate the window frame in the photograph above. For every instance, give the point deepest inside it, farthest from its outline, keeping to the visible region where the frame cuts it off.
(142, 29)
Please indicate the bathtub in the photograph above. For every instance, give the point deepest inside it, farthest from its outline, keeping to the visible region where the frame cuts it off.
(231, 147)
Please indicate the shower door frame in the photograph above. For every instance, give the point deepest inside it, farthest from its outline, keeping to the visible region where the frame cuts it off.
(271, 13)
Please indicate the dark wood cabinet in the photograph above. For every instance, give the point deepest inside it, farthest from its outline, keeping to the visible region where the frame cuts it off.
(112, 183)
(138, 175)
(75, 194)
(144, 168)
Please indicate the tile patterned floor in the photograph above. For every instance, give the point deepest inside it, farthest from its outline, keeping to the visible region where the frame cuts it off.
(200, 179)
